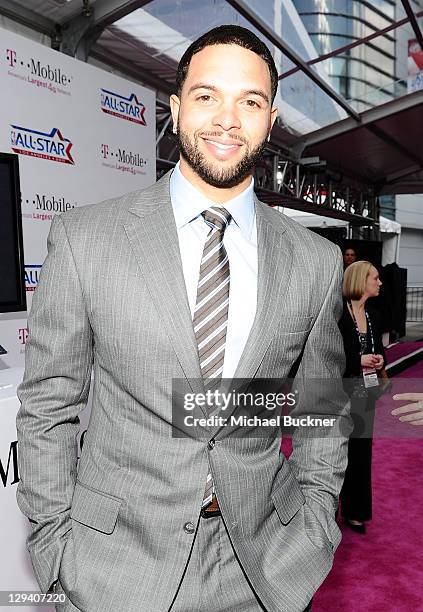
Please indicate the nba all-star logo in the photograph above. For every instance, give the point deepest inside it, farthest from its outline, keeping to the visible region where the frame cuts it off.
(129, 108)
(32, 274)
(47, 145)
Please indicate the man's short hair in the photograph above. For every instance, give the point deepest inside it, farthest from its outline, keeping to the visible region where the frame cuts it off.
(355, 278)
(227, 35)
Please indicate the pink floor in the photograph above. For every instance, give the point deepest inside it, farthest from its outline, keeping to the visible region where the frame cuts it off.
(382, 571)
(401, 349)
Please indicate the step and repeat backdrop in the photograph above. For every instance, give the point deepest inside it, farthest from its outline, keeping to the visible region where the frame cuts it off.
(82, 135)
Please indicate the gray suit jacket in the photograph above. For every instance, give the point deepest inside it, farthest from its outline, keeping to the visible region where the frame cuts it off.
(112, 297)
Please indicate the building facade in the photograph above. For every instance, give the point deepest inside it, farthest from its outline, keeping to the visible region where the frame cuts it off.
(369, 75)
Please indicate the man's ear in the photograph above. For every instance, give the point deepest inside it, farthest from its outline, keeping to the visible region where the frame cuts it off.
(175, 104)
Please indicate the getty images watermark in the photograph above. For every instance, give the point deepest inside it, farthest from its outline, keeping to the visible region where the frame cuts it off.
(258, 407)
(234, 402)
(329, 408)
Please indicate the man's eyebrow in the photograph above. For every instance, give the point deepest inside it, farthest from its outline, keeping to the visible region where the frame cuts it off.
(202, 86)
(244, 92)
(256, 92)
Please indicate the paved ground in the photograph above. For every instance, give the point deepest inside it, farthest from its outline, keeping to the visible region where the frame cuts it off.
(414, 332)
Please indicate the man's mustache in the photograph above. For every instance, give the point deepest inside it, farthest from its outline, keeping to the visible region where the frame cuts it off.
(220, 134)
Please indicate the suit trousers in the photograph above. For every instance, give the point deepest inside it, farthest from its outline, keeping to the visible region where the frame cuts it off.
(214, 580)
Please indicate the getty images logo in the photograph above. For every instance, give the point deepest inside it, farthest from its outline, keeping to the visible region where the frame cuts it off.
(128, 108)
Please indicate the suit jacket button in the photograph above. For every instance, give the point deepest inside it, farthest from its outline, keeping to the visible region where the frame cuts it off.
(189, 527)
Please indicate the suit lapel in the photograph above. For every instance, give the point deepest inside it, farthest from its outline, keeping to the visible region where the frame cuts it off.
(152, 232)
(274, 252)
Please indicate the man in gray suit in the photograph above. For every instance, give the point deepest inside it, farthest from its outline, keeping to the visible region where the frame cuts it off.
(192, 279)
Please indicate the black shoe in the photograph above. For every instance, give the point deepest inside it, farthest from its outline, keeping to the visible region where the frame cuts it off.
(361, 528)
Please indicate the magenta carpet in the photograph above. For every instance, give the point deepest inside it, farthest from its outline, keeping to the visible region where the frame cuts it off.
(401, 349)
(382, 571)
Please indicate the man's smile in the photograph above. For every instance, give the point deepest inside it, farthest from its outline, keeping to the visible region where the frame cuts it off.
(222, 148)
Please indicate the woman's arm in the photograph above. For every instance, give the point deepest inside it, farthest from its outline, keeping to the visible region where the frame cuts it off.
(351, 344)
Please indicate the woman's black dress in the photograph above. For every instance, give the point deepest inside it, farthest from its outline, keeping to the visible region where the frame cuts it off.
(356, 493)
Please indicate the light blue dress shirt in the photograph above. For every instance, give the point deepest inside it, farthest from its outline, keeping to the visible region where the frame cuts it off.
(240, 240)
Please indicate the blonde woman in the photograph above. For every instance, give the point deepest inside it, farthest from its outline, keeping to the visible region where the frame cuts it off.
(364, 353)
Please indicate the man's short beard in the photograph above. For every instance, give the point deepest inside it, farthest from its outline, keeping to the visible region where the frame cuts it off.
(212, 173)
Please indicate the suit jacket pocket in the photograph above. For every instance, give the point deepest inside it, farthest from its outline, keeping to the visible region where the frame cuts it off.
(287, 498)
(94, 508)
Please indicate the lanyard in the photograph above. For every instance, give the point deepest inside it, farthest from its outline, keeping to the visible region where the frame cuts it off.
(358, 331)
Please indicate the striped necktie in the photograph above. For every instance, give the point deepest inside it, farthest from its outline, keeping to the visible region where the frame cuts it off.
(212, 305)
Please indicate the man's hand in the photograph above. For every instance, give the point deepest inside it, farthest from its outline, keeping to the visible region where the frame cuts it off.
(415, 408)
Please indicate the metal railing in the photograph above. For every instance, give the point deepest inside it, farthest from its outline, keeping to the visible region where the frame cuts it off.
(414, 303)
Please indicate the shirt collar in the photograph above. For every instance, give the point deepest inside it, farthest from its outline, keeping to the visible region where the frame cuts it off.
(188, 203)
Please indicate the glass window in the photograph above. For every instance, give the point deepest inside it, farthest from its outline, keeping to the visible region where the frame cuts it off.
(329, 6)
(373, 57)
(373, 18)
(359, 70)
(331, 24)
(326, 43)
(369, 93)
(386, 7)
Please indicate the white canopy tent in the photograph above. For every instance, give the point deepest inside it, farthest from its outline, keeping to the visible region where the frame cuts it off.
(311, 220)
(390, 230)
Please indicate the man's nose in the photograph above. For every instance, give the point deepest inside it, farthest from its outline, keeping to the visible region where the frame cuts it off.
(227, 117)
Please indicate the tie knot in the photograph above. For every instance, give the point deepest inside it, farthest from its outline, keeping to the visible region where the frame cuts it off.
(217, 217)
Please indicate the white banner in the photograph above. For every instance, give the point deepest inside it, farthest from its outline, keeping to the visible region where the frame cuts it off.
(82, 135)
